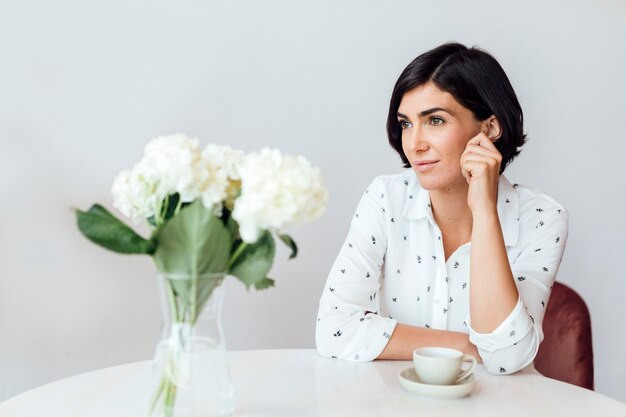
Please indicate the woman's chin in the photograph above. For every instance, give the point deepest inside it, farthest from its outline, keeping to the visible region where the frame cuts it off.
(428, 185)
(426, 182)
(437, 182)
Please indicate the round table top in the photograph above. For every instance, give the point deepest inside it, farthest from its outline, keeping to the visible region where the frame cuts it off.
(301, 383)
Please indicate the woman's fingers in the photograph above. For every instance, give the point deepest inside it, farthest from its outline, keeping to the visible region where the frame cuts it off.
(475, 157)
(487, 143)
(481, 150)
(473, 164)
(476, 139)
(483, 140)
(479, 155)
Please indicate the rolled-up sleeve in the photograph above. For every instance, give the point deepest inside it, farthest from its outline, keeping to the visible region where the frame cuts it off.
(515, 342)
(344, 328)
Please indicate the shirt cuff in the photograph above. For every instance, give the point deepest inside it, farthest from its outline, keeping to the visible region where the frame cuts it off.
(510, 331)
(371, 339)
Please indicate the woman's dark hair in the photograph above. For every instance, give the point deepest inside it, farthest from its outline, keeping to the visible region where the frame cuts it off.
(476, 80)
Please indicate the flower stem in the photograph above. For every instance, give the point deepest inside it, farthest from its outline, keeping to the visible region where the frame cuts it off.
(172, 300)
(169, 398)
(194, 300)
(237, 253)
(163, 210)
(157, 394)
(178, 206)
(166, 391)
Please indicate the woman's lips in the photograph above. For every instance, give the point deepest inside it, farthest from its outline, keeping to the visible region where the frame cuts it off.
(425, 167)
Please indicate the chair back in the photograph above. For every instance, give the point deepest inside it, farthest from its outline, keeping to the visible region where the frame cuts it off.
(566, 352)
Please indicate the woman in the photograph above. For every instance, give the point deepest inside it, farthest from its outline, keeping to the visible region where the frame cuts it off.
(449, 253)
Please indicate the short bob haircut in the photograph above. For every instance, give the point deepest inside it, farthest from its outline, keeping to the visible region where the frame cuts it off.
(476, 80)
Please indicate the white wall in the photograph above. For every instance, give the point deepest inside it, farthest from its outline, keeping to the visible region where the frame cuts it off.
(84, 85)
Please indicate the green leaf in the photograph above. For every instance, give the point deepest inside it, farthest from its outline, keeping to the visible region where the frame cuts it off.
(190, 294)
(194, 241)
(289, 242)
(106, 230)
(264, 284)
(254, 261)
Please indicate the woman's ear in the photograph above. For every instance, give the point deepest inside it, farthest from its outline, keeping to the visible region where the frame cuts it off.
(491, 128)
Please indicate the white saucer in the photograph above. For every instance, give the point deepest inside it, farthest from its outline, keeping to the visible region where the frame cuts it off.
(411, 382)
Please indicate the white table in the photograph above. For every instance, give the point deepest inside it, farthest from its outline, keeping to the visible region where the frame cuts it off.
(294, 383)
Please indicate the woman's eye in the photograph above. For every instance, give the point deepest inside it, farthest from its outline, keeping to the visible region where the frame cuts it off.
(435, 118)
(404, 124)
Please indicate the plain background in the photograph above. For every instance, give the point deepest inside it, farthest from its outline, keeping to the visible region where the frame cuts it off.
(84, 85)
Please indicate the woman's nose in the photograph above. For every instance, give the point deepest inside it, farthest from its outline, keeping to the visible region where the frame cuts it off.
(417, 140)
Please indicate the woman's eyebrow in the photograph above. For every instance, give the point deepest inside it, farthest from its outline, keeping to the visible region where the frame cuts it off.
(427, 112)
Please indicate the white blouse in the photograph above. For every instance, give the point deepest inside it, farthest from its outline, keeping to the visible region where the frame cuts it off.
(393, 264)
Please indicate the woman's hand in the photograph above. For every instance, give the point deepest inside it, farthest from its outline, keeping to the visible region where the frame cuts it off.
(480, 165)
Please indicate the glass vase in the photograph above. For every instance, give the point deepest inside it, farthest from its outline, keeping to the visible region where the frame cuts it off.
(191, 377)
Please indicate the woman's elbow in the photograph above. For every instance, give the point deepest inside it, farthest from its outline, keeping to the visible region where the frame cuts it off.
(324, 347)
(503, 367)
(326, 342)
(512, 359)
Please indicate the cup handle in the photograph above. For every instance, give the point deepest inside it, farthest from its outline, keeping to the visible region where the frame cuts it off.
(467, 372)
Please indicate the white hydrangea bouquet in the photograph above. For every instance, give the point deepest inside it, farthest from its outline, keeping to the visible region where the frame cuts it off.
(211, 213)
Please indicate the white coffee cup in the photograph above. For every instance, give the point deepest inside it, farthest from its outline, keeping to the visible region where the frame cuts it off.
(442, 366)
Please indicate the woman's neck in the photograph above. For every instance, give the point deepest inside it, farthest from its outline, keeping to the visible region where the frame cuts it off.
(450, 209)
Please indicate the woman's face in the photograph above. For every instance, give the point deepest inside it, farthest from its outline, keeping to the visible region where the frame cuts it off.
(435, 127)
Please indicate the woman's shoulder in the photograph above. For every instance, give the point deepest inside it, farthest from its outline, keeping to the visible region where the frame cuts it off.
(395, 191)
(533, 199)
(394, 183)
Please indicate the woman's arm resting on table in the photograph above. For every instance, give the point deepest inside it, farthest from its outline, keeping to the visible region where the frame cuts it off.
(407, 338)
(344, 330)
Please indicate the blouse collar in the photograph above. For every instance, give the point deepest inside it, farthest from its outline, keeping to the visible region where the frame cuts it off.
(417, 206)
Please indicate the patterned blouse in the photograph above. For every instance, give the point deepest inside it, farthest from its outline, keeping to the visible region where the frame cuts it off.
(393, 264)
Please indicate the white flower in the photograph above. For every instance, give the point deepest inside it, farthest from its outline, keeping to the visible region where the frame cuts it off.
(134, 195)
(221, 183)
(174, 164)
(171, 164)
(277, 191)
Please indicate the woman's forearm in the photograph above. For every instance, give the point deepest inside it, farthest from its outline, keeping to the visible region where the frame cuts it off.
(493, 294)
(406, 338)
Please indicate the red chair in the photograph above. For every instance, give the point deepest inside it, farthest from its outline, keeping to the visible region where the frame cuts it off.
(566, 352)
